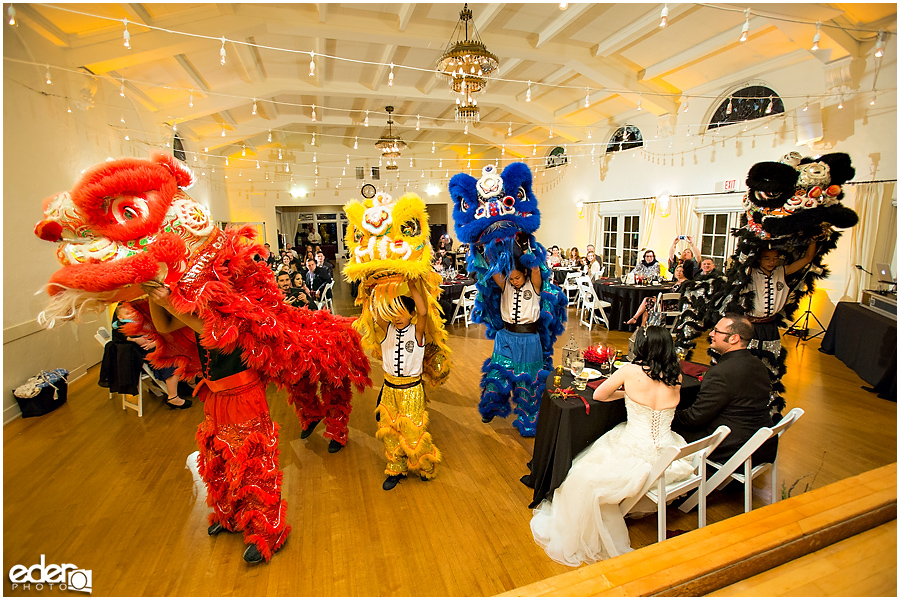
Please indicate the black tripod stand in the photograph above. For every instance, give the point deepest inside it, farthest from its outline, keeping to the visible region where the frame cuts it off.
(802, 332)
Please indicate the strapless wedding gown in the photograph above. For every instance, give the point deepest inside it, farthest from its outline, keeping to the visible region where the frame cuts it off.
(583, 523)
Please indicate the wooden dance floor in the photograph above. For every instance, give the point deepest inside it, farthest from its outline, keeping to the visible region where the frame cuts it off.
(98, 487)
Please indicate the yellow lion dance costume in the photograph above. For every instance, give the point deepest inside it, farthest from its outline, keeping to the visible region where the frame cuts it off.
(389, 255)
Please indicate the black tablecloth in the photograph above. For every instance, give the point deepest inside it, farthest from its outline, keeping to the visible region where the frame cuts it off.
(867, 343)
(564, 430)
(560, 274)
(449, 293)
(625, 300)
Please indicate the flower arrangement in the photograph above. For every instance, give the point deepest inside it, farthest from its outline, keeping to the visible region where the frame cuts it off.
(596, 354)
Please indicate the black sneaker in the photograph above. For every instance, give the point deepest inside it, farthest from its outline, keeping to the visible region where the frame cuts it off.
(487, 419)
(216, 529)
(391, 482)
(252, 555)
(334, 446)
(308, 431)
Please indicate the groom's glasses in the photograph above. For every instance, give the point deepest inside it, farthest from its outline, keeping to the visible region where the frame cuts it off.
(722, 332)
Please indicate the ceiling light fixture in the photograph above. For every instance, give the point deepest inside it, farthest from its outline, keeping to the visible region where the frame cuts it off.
(879, 45)
(312, 64)
(745, 30)
(817, 37)
(390, 143)
(664, 15)
(126, 36)
(222, 52)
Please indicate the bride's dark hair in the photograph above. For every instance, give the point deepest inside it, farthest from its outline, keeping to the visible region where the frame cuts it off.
(655, 353)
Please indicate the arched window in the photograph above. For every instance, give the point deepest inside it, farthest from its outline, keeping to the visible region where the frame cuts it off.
(625, 138)
(556, 158)
(178, 149)
(746, 104)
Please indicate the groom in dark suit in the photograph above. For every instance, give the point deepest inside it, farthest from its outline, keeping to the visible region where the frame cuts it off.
(734, 392)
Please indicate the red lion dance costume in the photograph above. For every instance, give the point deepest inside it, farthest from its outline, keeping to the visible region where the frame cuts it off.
(128, 222)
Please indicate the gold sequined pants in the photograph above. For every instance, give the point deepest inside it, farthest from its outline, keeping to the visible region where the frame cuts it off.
(402, 420)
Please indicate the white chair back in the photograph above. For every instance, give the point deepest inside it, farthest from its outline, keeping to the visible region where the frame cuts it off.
(657, 478)
(464, 304)
(327, 297)
(669, 317)
(744, 456)
(591, 305)
(103, 336)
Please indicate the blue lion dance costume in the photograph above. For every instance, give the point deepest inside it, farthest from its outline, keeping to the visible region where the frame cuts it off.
(497, 216)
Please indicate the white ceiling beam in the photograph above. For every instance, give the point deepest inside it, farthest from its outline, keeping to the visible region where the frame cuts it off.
(546, 86)
(709, 46)
(43, 26)
(612, 75)
(486, 14)
(403, 15)
(322, 8)
(247, 63)
(379, 73)
(137, 13)
(647, 23)
(748, 74)
(802, 35)
(578, 105)
(507, 65)
(192, 72)
(112, 56)
(132, 92)
(563, 20)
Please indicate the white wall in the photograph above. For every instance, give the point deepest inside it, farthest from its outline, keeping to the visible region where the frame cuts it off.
(45, 150)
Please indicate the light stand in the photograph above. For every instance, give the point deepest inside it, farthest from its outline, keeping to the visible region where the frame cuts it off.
(802, 333)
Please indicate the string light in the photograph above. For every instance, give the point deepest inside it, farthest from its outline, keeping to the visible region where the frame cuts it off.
(287, 169)
(47, 76)
(745, 30)
(448, 173)
(432, 147)
(509, 131)
(391, 76)
(313, 113)
(410, 163)
(664, 15)
(528, 93)
(589, 134)
(222, 52)
(563, 5)
(313, 138)
(254, 106)
(127, 139)
(348, 159)
(366, 122)
(534, 150)
(469, 148)
(806, 106)
(551, 131)
(356, 143)
(314, 157)
(206, 148)
(243, 150)
(817, 37)
(68, 108)
(312, 64)
(841, 105)
(223, 131)
(279, 154)
(587, 97)
(175, 127)
(191, 100)
(879, 45)
(226, 161)
(343, 171)
(125, 35)
(122, 89)
(640, 101)
(12, 15)
(417, 122)
(270, 139)
(769, 107)
(872, 103)
(503, 150)
(686, 105)
(466, 129)
(728, 110)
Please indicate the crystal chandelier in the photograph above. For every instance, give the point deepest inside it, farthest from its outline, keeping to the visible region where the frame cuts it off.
(390, 144)
(466, 64)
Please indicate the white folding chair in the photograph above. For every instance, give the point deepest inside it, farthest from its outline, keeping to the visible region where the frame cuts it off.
(153, 384)
(590, 304)
(657, 491)
(744, 456)
(666, 315)
(571, 285)
(466, 302)
(327, 300)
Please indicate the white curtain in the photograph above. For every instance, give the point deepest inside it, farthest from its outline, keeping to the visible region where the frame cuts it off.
(687, 221)
(648, 216)
(289, 223)
(867, 202)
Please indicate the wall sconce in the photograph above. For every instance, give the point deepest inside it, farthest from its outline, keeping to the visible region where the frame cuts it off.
(580, 206)
(662, 205)
(298, 192)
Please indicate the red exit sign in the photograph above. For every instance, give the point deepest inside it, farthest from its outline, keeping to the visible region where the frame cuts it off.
(730, 185)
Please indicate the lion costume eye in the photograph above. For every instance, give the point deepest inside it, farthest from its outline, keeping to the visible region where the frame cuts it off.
(357, 235)
(124, 209)
(463, 204)
(411, 228)
(520, 195)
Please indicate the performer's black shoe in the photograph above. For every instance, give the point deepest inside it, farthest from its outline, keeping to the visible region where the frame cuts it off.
(252, 555)
(334, 446)
(186, 404)
(487, 419)
(216, 529)
(423, 478)
(308, 431)
(391, 482)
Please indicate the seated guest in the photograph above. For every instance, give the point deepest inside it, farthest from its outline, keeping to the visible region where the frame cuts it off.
(708, 269)
(574, 256)
(325, 265)
(444, 261)
(734, 392)
(652, 314)
(593, 266)
(582, 522)
(554, 259)
(295, 296)
(313, 280)
(297, 283)
(649, 267)
(446, 243)
(286, 266)
(688, 259)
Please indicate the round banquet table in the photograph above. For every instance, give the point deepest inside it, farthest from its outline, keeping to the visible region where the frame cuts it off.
(565, 427)
(560, 274)
(625, 300)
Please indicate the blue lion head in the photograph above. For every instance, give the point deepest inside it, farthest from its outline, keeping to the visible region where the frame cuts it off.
(495, 206)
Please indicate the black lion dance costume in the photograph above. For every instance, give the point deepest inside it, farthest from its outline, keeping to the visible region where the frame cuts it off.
(792, 207)
(497, 216)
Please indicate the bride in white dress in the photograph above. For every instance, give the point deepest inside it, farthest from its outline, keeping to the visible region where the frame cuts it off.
(582, 523)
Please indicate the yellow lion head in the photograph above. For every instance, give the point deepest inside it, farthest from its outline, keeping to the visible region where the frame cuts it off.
(390, 251)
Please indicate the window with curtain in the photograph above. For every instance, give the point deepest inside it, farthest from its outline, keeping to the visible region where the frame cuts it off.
(716, 241)
(620, 235)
